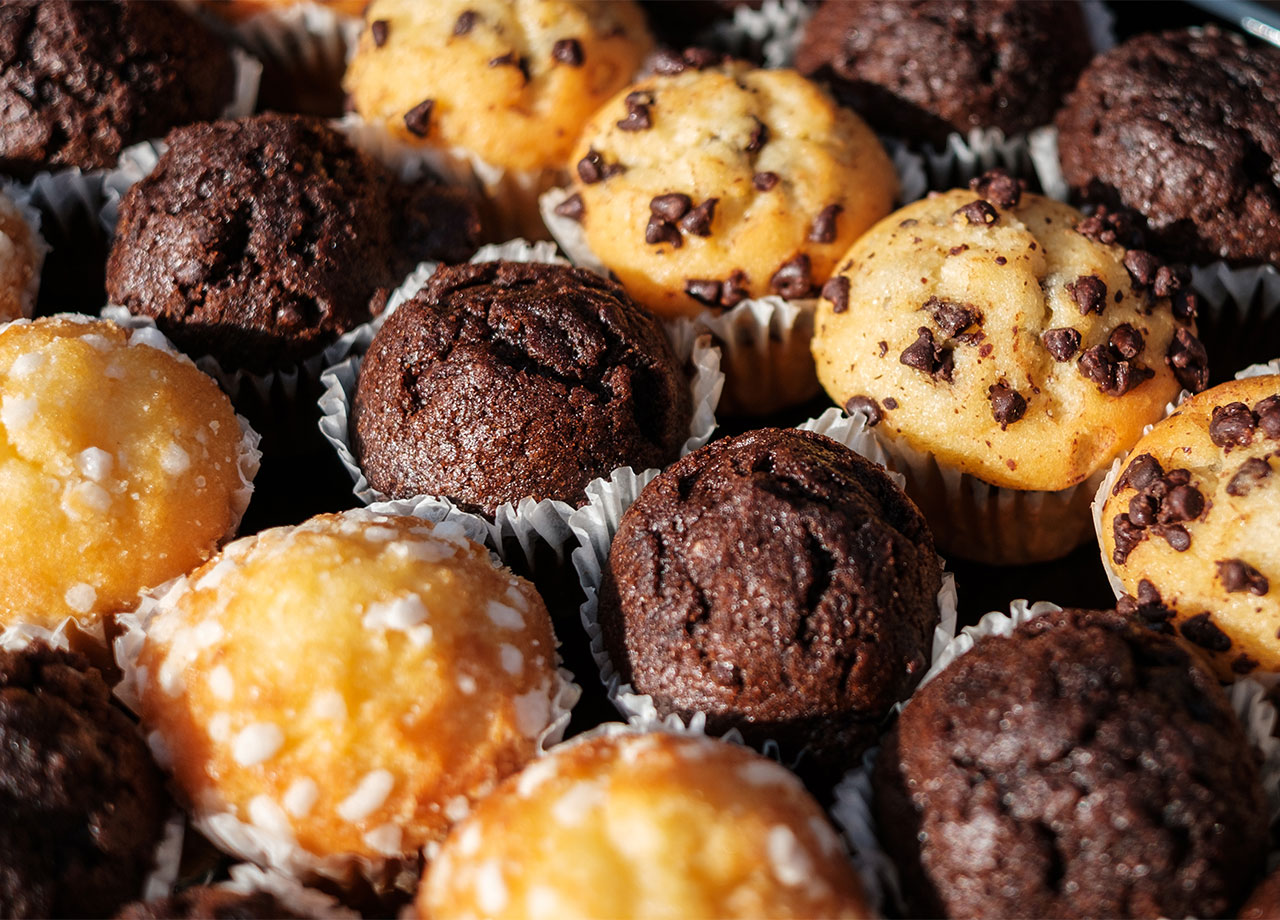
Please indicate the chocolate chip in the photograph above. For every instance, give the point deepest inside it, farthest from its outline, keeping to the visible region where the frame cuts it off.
(1143, 510)
(759, 136)
(638, 118)
(568, 51)
(1108, 226)
(1250, 475)
(764, 181)
(923, 355)
(667, 63)
(1268, 413)
(986, 350)
(793, 278)
(465, 23)
(1126, 341)
(1231, 426)
(700, 58)
(956, 250)
(1141, 472)
(952, 318)
(698, 221)
(1175, 535)
(1062, 343)
(511, 60)
(704, 291)
(882, 347)
(418, 118)
(1001, 260)
(662, 231)
(572, 207)
(1189, 360)
(999, 187)
(378, 30)
(1183, 503)
(1204, 632)
(1243, 664)
(1147, 606)
(890, 403)
(1090, 294)
(1127, 536)
(671, 206)
(979, 212)
(1185, 305)
(909, 222)
(735, 289)
(1007, 405)
(1167, 281)
(1113, 375)
(823, 228)
(592, 168)
(836, 290)
(1141, 266)
(867, 406)
(1237, 575)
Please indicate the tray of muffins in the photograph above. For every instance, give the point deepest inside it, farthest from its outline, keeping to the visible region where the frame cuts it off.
(552, 458)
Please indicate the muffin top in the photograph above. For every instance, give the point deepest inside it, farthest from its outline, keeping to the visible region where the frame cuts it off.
(921, 69)
(1192, 523)
(21, 255)
(1182, 127)
(79, 82)
(645, 825)
(1007, 335)
(701, 186)
(504, 380)
(512, 82)
(261, 240)
(1082, 767)
(778, 582)
(83, 803)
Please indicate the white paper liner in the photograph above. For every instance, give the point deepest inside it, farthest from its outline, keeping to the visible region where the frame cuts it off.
(18, 636)
(596, 523)
(527, 524)
(247, 878)
(305, 39)
(775, 29)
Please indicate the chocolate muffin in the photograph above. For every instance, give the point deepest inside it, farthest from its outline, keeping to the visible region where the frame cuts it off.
(83, 804)
(781, 584)
(208, 903)
(261, 240)
(924, 68)
(79, 82)
(1082, 767)
(1182, 127)
(1264, 903)
(504, 380)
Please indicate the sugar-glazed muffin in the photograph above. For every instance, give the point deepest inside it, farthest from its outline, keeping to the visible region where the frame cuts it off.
(644, 825)
(22, 251)
(337, 693)
(121, 467)
(1192, 523)
(1003, 337)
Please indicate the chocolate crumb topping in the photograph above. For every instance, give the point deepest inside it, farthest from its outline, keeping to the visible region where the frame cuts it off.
(672, 206)
(465, 23)
(1062, 343)
(764, 181)
(638, 117)
(952, 318)
(418, 118)
(867, 406)
(568, 51)
(927, 357)
(793, 278)
(698, 220)
(1007, 405)
(1251, 474)
(378, 30)
(1237, 575)
(1090, 294)
(836, 290)
(979, 212)
(1201, 630)
(1189, 360)
(823, 228)
(998, 187)
(572, 207)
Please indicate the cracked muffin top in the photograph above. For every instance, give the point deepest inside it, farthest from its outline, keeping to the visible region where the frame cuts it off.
(1182, 127)
(261, 240)
(1082, 767)
(506, 380)
(778, 582)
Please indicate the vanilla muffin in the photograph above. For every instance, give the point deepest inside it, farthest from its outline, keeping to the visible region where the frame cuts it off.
(644, 825)
(1192, 524)
(121, 467)
(699, 188)
(346, 687)
(21, 255)
(1009, 339)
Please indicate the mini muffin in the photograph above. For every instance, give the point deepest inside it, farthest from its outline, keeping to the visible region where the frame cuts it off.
(645, 825)
(259, 241)
(79, 82)
(1264, 903)
(779, 583)
(83, 803)
(504, 380)
(1003, 336)
(699, 187)
(1192, 524)
(346, 687)
(1182, 127)
(120, 468)
(922, 69)
(1082, 767)
(21, 256)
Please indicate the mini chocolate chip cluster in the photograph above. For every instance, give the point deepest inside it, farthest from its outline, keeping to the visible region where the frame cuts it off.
(1235, 424)
(674, 212)
(1164, 503)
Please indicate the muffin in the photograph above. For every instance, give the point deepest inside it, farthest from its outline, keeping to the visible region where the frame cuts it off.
(504, 380)
(83, 803)
(261, 240)
(336, 694)
(79, 82)
(22, 253)
(238, 10)
(1264, 903)
(1182, 127)
(644, 825)
(1082, 767)
(1002, 337)
(1191, 525)
(922, 69)
(124, 467)
(779, 583)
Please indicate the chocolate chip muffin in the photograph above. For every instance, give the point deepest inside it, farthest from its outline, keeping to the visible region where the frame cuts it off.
(1082, 767)
(504, 380)
(84, 805)
(779, 583)
(924, 68)
(261, 240)
(1193, 520)
(1182, 127)
(79, 82)
(204, 902)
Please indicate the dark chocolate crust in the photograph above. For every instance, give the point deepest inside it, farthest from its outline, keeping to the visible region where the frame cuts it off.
(778, 582)
(261, 240)
(82, 802)
(1182, 127)
(920, 69)
(207, 903)
(79, 82)
(1084, 767)
(505, 380)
